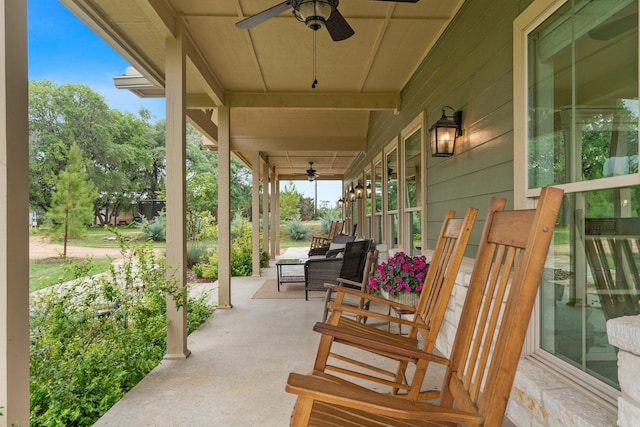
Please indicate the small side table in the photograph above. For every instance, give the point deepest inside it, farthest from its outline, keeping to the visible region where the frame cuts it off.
(289, 278)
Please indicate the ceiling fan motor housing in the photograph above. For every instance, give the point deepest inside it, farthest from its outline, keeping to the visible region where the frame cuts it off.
(314, 13)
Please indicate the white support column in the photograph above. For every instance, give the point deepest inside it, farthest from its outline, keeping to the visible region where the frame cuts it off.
(277, 215)
(265, 210)
(255, 213)
(176, 154)
(274, 214)
(14, 214)
(224, 209)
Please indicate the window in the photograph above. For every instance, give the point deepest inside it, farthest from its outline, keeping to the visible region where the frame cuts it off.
(378, 230)
(393, 225)
(413, 184)
(368, 203)
(576, 127)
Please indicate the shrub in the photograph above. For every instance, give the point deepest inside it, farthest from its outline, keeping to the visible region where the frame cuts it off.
(93, 340)
(297, 230)
(156, 230)
(241, 253)
(197, 252)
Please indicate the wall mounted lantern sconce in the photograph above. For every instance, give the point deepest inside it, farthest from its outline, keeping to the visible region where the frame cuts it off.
(359, 191)
(369, 191)
(352, 194)
(340, 202)
(444, 133)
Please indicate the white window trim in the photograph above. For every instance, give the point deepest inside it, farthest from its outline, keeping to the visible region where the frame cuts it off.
(388, 229)
(417, 125)
(524, 198)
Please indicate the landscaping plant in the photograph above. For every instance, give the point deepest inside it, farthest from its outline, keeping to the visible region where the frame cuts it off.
(94, 338)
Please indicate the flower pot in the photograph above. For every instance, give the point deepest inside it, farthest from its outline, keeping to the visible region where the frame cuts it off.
(407, 298)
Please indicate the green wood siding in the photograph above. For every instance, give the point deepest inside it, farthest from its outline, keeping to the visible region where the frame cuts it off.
(470, 68)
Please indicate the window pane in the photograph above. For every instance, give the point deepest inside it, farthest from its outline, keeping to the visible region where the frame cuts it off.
(393, 230)
(377, 193)
(413, 170)
(591, 276)
(368, 193)
(377, 228)
(415, 241)
(583, 93)
(392, 180)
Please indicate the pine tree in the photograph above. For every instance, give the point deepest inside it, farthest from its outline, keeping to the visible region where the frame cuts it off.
(73, 198)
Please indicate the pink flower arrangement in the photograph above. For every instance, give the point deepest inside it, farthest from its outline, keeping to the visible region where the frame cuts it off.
(401, 273)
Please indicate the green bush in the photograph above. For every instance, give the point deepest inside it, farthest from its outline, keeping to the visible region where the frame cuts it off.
(197, 252)
(156, 230)
(94, 340)
(241, 253)
(297, 230)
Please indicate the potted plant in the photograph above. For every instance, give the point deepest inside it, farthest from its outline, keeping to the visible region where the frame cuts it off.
(400, 278)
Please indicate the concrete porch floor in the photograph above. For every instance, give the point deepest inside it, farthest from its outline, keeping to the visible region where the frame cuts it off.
(239, 362)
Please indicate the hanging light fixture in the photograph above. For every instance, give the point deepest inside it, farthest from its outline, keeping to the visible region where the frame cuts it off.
(444, 133)
(359, 191)
(314, 13)
(368, 190)
(340, 202)
(352, 194)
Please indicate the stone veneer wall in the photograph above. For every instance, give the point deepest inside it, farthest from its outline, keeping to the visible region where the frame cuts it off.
(624, 333)
(542, 398)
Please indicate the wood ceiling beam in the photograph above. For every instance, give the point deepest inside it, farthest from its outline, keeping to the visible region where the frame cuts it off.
(202, 121)
(298, 177)
(205, 74)
(161, 15)
(341, 143)
(316, 101)
(121, 43)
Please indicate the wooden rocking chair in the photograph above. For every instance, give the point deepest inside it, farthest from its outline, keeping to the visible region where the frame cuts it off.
(319, 244)
(369, 269)
(486, 350)
(428, 317)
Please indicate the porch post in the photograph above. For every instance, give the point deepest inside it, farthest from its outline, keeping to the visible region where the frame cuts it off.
(14, 214)
(224, 209)
(274, 213)
(277, 216)
(265, 210)
(176, 154)
(255, 213)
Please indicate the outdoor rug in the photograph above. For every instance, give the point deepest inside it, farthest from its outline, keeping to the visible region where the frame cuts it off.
(269, 290)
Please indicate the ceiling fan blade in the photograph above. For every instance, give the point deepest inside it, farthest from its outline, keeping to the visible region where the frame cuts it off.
(338, 27)
(259, 18)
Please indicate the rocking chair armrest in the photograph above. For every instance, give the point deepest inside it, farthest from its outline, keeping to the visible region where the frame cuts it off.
(377, 299)
(367, 340)
(338, 309)
(345, 395)
(350, 283)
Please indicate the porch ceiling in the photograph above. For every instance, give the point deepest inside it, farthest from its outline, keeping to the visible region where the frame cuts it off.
(265, 74)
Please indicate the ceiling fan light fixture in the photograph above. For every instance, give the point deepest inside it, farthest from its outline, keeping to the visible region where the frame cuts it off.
(314, 13)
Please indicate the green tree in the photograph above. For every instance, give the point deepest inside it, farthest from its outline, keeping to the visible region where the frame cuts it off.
(118, 146)
(202, 198)
(307, 207)
(289, 202)
(72, 200)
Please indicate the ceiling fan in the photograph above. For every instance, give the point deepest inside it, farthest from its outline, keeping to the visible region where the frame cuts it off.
(312, 174)
(314, 13)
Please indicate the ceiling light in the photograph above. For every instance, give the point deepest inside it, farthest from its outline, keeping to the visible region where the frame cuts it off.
(314, 13)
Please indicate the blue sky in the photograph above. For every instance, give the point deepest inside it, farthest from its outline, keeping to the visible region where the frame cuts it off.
(64, 50)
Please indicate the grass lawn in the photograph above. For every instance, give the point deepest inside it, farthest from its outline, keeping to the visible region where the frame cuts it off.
(52, 271)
